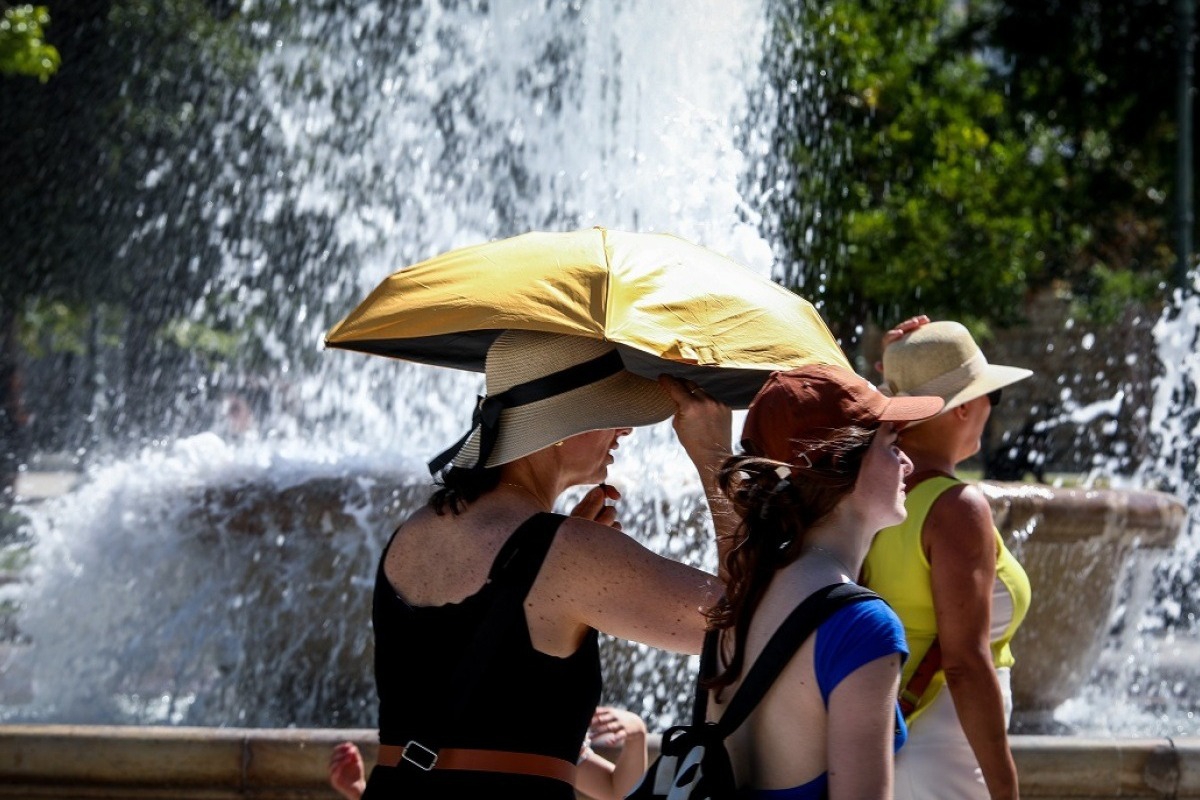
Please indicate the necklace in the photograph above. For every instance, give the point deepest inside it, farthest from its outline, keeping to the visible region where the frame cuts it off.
(829, 554)
(528, 492)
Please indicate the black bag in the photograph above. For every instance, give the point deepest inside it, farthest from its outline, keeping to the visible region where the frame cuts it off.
(694, 764)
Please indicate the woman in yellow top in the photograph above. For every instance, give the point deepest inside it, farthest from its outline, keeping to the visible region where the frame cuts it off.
(948, 575)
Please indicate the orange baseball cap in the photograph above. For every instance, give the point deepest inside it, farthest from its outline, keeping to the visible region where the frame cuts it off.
(795, 411)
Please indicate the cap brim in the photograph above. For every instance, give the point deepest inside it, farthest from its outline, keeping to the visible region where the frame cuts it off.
(911, 409)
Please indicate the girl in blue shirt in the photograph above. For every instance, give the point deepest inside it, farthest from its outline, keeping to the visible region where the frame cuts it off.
(820, 475)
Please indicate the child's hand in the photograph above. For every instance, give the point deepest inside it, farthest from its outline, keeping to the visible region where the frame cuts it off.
(612, 726)
(346, 773)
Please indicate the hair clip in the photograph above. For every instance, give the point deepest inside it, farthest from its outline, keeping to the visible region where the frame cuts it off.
(784, 473)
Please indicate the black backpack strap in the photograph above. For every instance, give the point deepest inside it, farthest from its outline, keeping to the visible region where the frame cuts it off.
(517, 566)
(708, 668)
(784, 643)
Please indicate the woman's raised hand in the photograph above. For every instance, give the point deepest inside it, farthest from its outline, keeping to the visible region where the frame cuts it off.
(898, 332)
(594, 505)
(702, 423)
(704, 427)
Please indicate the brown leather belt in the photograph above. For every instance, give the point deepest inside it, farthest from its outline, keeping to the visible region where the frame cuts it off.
(478, 760)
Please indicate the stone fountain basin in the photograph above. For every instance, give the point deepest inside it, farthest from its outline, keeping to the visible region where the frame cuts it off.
(247, 603)
(1076, 545)
(154, 763)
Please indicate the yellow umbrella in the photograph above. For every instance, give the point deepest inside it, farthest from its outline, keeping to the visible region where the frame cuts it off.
(670, 307)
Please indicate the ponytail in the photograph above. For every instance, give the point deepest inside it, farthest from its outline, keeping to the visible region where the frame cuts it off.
(778, 504)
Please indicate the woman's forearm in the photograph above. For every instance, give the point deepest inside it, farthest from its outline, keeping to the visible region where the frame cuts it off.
(630, 764)
(979, 704)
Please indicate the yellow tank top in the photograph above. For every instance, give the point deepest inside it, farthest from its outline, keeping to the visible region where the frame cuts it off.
(897, 570)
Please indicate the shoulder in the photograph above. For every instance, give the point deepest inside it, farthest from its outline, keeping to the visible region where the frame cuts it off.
(960, 497)
(870, 620)
(855, 635)
(962, 506)
(593, 540)
(424, 516)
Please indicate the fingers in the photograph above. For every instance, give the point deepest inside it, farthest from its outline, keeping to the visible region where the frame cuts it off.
(346, 773)
(344, 755)
(702, 423)
(683, 391)
(907, 326)
(591, 504)
(899, 332)
(690, 399)
(611, 727)
(594, 505)
(608, 517)
(602, 716)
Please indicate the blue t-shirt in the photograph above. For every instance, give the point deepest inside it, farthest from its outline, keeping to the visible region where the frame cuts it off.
(854, 635)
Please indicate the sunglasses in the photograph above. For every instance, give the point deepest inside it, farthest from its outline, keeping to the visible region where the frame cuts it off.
(994, 397)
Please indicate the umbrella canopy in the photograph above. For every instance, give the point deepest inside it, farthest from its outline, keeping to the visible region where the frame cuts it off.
(669, 305)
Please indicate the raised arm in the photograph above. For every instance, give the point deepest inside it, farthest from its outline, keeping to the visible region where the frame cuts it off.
(704, 427)
(605, 580)
(960, 540)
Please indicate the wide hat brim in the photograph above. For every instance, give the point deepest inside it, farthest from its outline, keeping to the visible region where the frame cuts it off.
(623, 400)
(993, 377)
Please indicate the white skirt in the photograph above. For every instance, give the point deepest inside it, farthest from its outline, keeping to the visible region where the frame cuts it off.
(937, 762)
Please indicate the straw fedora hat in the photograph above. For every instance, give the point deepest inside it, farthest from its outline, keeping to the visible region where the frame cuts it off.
(542, 388)
(942, 359)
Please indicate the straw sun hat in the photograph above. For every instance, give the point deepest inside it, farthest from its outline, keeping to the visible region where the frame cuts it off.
(544, 387)
(942, 359)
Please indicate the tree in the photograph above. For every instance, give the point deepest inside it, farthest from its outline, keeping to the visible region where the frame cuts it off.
(1102, 77)
(94, 243)
(949, 157)
(23, 52)
(23, 46)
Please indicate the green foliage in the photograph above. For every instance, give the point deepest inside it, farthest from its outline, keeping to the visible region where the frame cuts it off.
(938, 162)
(53, 327)
(108, 202)
(140, 90)
(1102, 77)
(201, 339)
(192, 48)
(135, 88)
(1104, 294)
(23, 46)
(917, 195)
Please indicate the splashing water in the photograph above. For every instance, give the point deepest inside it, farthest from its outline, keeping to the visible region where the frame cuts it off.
(1144, 683)
(223, 578)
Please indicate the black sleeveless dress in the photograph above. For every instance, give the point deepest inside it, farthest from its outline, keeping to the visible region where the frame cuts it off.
(524, 700)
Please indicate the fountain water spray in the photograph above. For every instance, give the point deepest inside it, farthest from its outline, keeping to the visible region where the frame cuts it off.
(222, 577)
